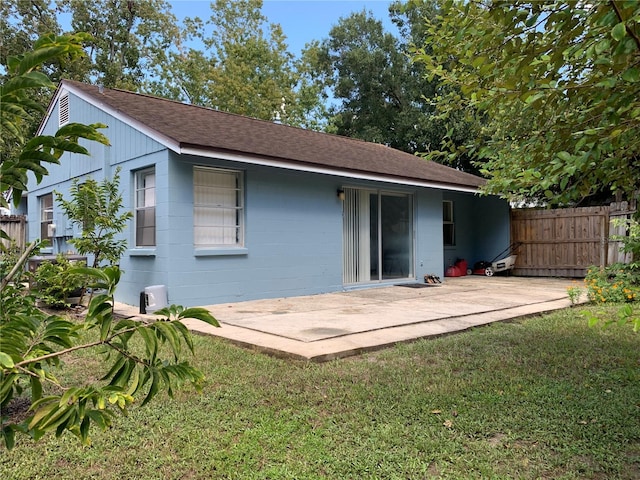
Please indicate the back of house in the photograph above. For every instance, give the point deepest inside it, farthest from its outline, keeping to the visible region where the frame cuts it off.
(230, 208)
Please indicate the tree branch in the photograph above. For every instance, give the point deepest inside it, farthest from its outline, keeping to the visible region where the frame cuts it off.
(19, 264)
(77, 347)
(627, 28)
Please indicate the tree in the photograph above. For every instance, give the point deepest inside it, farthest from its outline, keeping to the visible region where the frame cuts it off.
(95, 208)
(558, 83)
(22, 23)
(381, 95)
(128, 38)
(32, 399)
(245, 67)
(17, 112)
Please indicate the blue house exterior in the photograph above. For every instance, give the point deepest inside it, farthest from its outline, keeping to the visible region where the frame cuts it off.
(229, 208)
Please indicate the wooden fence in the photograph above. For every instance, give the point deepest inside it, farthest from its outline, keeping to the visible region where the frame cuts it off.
(15, 226)
(566, 242)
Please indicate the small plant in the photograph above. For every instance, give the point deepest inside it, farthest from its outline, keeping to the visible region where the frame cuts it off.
(626, 315)
(574, 292)
(9, 256)
(55, 282)
(96, 207)
(618, 283)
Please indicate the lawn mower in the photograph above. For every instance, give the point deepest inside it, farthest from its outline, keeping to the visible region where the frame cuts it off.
(500, 263)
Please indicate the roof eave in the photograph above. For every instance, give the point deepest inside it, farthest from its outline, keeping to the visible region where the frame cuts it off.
(305, 167)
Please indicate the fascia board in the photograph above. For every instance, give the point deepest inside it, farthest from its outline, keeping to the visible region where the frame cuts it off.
(52, 104)
(268, 162)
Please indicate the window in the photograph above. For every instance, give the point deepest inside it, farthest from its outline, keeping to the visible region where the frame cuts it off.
(63, 110)
(218, 210)
(145, 218)
(448, 226)
(46, 216)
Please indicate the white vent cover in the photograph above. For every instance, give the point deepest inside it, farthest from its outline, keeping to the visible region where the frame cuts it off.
(63, 110)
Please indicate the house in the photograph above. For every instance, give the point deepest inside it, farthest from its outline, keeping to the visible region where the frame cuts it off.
(229, 208)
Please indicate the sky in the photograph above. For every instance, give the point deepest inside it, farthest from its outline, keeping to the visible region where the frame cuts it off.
(301, 20)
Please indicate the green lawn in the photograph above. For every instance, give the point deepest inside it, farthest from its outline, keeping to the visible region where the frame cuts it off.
(545, 397)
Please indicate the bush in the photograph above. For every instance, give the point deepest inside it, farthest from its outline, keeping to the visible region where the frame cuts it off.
(54, 282)
(617, 283)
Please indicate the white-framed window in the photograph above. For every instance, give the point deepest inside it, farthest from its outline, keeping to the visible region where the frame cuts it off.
(218, 207)
(145, 207)
(448, 224)
(63, 110)
(46, 216)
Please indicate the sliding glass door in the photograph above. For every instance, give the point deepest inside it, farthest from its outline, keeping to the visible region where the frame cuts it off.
(377, 236)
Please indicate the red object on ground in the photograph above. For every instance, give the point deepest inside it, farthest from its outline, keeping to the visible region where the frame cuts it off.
(462, 265)
(457, 270)
(453, 272)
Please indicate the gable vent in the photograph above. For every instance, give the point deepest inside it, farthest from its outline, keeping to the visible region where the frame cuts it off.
(63, 110)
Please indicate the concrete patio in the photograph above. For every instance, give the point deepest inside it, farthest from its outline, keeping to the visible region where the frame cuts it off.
(335, 325)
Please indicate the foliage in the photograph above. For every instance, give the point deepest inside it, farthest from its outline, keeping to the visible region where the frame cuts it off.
(95, 208)
(378, 93)
(369, 77)
(34, 342)
(537, 398)
(55, 282)
(574, 292)
(23, 23)
(244, 68)
(613, 284)
(9, 255)
(17, 107)
(127, 37)
(559, 84)
(630, 241)
(626, 316)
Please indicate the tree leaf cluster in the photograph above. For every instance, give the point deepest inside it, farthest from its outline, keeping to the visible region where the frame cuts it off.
(379, 94)
(239, 62)
(18, 109)
(558, 84)
(33, 344)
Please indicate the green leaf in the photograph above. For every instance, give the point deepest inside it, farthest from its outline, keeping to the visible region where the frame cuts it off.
(36, 388)
(6, 361)
(565, 156)
(201, 314)
(84, 429)
(42, 413)
(9, 436)
(153, 389)
(619, 31)
(631, 75)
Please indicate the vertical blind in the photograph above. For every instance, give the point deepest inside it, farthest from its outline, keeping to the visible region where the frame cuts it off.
(356, 236)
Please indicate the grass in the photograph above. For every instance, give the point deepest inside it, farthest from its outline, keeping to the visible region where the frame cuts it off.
(545, 397)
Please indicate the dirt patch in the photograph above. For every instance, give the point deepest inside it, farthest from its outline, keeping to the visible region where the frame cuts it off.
(17, 410)
(496, 439)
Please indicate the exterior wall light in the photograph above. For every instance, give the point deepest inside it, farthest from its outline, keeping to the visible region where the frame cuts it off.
(341, 194)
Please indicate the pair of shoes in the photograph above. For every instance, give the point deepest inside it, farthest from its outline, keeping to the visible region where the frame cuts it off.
(433, 279)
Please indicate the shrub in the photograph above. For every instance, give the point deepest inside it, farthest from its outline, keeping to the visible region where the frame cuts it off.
(618, 283)
(54, 282)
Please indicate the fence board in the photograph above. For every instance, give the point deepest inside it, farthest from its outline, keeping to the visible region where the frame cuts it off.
(566, 242)
(15, 226)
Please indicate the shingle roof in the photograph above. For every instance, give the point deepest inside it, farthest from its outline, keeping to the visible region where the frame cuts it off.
(205, 129)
